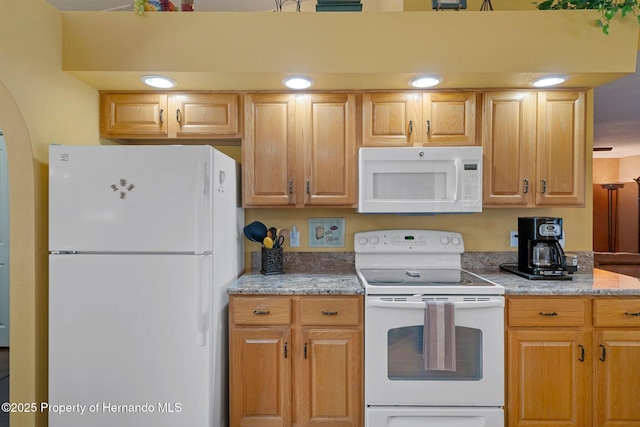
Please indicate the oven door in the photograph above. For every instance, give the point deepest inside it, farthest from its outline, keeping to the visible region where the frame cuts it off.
(394, 365)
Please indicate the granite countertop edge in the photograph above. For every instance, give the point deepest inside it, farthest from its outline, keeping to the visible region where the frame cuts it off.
(347, 283)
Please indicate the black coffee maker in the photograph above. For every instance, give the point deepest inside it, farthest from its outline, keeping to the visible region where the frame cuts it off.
(539, 250)
(540, 255)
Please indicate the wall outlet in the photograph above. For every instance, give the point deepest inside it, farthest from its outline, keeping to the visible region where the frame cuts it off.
(294, 238)
(514, 239)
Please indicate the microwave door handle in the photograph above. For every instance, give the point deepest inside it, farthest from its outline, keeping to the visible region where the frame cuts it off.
(421, 304)
(458, 171)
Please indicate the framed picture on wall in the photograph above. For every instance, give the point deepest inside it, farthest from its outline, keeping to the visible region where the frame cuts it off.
(326, 232)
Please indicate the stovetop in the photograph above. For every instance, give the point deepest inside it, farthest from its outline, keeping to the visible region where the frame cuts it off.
(402, 281)
(416, 262)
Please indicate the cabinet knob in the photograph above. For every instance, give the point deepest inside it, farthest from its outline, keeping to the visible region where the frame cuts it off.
(329, 313)
(526, 186)
(428, 127)
(178, 115)
(161, 119)
(632, 314)
(261, 313)
(544, 186)
(552, 314)
(603, 353)
(410, 127)
(290, 186)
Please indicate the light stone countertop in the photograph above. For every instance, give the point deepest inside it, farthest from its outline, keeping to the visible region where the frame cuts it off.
(601, 282)
(297, 284)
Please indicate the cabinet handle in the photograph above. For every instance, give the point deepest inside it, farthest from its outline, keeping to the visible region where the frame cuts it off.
(632, 314)
(161, 111)
(603, 353)
(305, 350)
(428, 127)
(290, 186)
(308, 187)
(581, 358)
(329, 313)
(261, 313)
(178, 115)
(552, 314)
(410, 127)
(526, 186)
(544, 186)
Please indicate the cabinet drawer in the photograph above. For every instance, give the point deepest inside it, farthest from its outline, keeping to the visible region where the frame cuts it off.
(261, 311)
(547, 312)
(616, 312)
(330, 311)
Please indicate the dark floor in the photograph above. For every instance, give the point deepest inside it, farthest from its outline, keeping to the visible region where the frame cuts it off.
(4, 384)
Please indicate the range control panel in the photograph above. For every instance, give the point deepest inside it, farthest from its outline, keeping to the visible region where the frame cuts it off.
(408, 241)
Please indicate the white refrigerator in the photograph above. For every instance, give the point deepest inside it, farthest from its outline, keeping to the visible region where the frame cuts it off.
(143, 242)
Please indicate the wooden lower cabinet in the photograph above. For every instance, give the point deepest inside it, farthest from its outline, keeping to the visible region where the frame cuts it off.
(296, 361)
(573, 361)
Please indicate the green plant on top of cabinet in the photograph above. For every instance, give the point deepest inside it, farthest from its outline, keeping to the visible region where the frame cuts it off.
(407, 119)
(150, 115)
(299, 150)
(533, 149)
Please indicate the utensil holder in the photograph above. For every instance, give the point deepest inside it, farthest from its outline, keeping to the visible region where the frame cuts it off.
(272, 261)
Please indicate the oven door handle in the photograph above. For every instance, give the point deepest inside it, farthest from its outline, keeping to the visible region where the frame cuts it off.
(421, 304)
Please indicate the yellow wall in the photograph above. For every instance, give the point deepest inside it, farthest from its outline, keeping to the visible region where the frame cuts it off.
(40, 104)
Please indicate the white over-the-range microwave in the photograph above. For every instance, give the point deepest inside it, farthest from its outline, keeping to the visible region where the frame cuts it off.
(420, 180)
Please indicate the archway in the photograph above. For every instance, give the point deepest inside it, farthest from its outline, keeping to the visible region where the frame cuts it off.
(27, 346)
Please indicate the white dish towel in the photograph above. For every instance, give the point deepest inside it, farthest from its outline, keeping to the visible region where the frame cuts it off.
(439, 338)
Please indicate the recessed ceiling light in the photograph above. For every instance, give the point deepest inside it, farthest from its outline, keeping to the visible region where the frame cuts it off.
(159, 82)
(297, 82)
(548, 81)
(424, 81)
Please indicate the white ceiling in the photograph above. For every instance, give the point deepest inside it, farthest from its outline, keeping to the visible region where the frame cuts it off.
(616, 104)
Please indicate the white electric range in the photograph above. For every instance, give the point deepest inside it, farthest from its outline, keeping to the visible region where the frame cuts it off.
(402, 272)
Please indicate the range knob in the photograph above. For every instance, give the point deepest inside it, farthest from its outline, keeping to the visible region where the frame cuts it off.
(362, 240)
(456, 241)
(374, 240)
(444, 240)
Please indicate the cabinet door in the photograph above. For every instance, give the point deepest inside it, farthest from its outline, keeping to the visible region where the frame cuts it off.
(327, 129)
(617, 378)
(561, 149)
(205, 115)
(260, 377)
(449, 118)
(269, 150)
(549, 378)
(391, 119)
(133, 115)
(508, 147)
(331, 386)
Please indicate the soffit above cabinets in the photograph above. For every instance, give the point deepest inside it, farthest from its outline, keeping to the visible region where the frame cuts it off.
(344, 51)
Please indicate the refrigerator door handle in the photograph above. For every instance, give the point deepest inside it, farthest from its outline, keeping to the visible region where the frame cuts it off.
(199, 280)
(200, 196)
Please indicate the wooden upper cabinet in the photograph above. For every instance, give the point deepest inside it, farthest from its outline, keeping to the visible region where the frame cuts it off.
(133, 115)
(327, 133)
(269, 150)
(205, 115)
(561, 149)
(533, 149)
(299, 150)
(449, 118)
(418, 119)
(390, 119)
(508, 147)
(169, 115)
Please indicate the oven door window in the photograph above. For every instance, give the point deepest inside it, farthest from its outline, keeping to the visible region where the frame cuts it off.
(405, 361)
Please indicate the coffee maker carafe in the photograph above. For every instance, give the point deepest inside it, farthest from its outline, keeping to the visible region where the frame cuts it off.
(539, 250)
